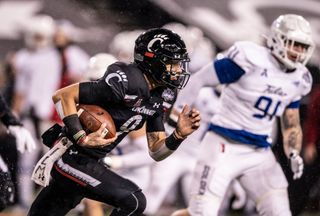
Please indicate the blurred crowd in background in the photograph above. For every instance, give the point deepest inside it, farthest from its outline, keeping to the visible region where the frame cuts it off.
(52, 48)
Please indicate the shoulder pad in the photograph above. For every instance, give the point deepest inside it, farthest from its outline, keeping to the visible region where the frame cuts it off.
(251, 54)
(306, 80)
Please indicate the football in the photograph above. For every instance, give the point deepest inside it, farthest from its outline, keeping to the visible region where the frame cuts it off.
(91, 118)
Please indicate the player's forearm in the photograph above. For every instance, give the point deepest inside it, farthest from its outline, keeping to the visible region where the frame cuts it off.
(160, 146)
(65, 100)
(292, 139)
(156, 144)
(291, 130)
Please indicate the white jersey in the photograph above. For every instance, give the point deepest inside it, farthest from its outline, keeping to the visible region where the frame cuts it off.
(249, 105)
(37, 79)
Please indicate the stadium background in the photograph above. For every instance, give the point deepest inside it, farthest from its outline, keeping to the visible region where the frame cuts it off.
(223, 21)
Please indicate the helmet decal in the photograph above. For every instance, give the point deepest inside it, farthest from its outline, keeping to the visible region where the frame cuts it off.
(157, 38)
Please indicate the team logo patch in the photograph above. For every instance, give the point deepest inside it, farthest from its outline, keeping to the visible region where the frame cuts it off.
(264, 73)
(118, 75)
(168, 95)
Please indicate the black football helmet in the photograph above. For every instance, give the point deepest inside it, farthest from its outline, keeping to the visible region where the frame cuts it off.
(157, 48)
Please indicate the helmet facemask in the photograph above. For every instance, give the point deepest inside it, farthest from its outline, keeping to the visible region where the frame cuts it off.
(173, 78)
(287, 33)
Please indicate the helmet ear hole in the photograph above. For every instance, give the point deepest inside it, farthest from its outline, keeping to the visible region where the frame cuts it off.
(154, 49)
(288, 31)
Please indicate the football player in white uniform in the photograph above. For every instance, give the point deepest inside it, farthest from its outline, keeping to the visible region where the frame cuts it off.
(262, 82)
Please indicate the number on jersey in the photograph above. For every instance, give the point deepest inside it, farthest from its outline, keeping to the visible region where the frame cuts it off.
(266, 107)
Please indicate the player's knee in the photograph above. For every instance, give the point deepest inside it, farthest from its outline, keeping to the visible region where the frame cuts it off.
(134, 204)
(276, 204)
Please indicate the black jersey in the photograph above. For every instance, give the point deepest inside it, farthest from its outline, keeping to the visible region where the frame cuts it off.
(123, 91)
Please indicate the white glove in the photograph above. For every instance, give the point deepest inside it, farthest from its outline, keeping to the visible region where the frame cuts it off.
(24, 139)
(296, 164)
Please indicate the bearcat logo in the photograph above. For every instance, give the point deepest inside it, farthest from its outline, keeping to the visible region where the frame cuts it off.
(156, 41)
(119, 75)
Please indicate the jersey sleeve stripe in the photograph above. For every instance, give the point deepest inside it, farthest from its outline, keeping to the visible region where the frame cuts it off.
(227, 70)
(294, 105)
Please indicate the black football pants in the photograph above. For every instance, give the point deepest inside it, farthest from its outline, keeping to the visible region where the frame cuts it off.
(75, 176)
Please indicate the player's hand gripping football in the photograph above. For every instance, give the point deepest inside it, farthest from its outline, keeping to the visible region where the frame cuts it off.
(296, 164)
(96, 139)
(188, 121)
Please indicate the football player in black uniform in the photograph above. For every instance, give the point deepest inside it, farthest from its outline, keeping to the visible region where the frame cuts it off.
(23, 141)
(133, 94)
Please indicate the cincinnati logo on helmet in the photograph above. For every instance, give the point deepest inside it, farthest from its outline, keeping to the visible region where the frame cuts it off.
(156, 41)
(119, 76)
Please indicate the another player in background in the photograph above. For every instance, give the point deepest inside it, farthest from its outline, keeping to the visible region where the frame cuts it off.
(37, 77)
(134, 94)
(74, 60)
(42, 67)
(263, 82)
(180, 165)
(24, 141)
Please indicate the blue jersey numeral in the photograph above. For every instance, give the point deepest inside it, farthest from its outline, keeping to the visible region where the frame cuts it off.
(264, 104)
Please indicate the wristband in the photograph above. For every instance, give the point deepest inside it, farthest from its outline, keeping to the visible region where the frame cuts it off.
(80, 137)
(74, 128)
(173, 142)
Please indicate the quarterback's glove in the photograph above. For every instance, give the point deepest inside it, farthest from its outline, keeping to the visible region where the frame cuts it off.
(296, 164)
(24, 139)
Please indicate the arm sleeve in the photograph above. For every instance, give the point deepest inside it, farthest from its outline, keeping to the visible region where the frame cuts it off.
(155, 124)
(221, 71)
(206, 76)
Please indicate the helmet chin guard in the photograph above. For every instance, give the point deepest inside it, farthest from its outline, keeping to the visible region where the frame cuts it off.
(288, 31)
(156, 51)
